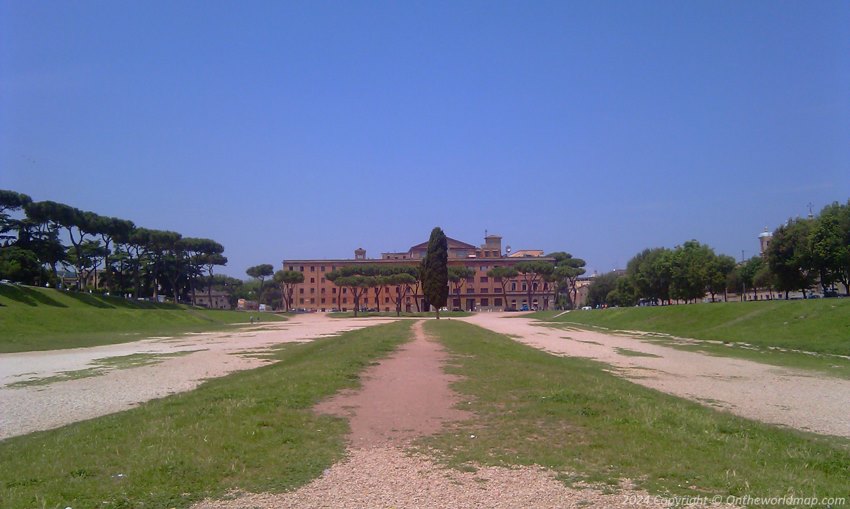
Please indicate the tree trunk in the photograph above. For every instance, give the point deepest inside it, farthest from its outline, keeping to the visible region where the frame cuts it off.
(209, 289)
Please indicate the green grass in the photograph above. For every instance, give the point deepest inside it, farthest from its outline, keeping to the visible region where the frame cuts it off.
(391, 314)
(252, 430)
(572, 416)
(45, 319)
(820, 325)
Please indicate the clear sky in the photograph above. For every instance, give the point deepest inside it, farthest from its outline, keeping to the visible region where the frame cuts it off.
(308, 129)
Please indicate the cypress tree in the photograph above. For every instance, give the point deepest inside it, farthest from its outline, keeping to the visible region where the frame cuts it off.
(435, 270)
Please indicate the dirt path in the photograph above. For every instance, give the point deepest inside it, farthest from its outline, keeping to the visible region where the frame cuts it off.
(201, 356)
(406, 396)
(795, 398)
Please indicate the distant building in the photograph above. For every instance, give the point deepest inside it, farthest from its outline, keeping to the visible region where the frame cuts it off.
(764, 241)
(247, 305)
(527, 253)
(219, 300)
(479, 293)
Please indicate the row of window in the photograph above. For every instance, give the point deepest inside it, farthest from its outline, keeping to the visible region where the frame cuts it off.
(323, 268)
(497, 302)
(387, 289)
(363, 301)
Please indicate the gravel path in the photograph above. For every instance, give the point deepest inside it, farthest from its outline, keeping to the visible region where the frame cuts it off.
(40, 407)
(794, 398)
(408, 395)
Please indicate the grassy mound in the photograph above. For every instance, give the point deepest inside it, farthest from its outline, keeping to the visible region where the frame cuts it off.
(820, 325)
(43, 319)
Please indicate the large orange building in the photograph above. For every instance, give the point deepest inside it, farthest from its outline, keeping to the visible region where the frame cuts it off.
(478, 293)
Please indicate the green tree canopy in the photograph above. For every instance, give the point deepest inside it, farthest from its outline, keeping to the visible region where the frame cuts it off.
(435, 273)
(649, 272)
(533, 272)
(565, 276)
(287, 279)
(790, 258)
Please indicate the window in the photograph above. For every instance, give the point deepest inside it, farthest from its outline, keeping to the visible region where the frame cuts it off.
(524, 287)
(513, 286)
(345, 300)
(344, 290)
(323, 291)
(322, 268)
(301, 301)
(497, 302)
(301, 268)
(497, 279)
(485, 302)
(312, 268)
(301, 291)
(333, 290)
(484, 279)
(322, 280)
(485, 290)
(292, 267)
(312, 290)
(470, 290)
(386, 300)
(312, 280)
(497, 290)
(323, 300)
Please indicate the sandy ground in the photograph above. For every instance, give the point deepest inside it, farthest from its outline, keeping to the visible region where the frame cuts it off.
(794, 398)
(40, 407)
(406, 396)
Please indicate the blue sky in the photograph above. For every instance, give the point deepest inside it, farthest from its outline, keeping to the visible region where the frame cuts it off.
(308, 129)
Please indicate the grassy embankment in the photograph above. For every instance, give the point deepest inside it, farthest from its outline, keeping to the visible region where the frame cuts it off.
(572, 416)
(252, 430)
(44, 319)
(766, 331)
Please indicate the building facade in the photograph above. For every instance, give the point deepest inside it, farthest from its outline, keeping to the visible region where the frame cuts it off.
(477, 293)
(216, 299)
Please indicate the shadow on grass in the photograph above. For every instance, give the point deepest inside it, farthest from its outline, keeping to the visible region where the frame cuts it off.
(28, 296)
(110, 302)
(90, 300)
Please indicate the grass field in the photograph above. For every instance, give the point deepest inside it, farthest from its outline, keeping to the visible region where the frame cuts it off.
(820, 325)
(45, 319)
(573, 416)
(252, 430)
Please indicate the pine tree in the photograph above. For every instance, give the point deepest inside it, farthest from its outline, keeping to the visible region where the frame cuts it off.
(435, 270)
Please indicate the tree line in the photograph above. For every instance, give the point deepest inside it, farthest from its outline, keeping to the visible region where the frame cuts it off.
(802, 254)
(432, 279)
(40, 238)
